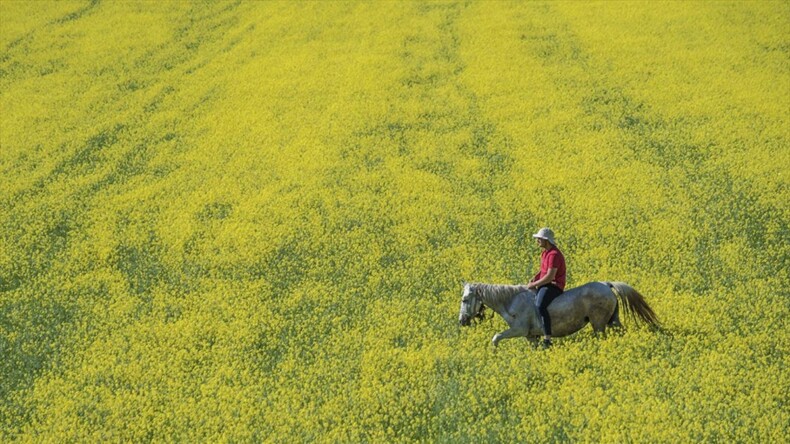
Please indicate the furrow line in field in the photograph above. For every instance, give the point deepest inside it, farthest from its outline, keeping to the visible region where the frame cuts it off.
(667, 144)
(111, 156)
(438, 129)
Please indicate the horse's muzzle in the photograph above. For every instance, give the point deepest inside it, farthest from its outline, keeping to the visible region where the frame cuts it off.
(464, 321)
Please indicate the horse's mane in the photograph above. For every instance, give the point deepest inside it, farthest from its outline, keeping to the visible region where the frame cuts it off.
(498, 294)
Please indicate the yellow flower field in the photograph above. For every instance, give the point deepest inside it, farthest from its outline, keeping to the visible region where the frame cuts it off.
(251, 221)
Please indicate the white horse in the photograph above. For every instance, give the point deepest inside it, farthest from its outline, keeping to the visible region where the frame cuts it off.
(595, 302)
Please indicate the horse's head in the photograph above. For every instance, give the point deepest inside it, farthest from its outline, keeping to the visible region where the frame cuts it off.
(471, 306)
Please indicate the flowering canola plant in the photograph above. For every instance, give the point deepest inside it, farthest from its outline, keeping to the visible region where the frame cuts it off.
(251, 221)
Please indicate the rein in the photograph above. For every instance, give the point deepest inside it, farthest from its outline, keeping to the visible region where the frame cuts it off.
(481, 313)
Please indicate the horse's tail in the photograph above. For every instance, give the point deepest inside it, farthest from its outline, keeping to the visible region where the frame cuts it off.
(634, 303)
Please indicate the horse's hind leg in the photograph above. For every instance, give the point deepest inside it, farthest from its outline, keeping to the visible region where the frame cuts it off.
(598, 327)
(614, 321)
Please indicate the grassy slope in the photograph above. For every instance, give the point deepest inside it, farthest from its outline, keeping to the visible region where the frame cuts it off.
(252, 220)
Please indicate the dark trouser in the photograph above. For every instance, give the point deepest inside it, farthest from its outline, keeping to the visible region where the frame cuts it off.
(546, 294)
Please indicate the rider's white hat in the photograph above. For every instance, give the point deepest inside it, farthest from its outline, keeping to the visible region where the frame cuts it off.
(546, 233)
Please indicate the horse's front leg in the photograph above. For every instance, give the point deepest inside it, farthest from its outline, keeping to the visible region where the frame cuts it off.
(507, 334)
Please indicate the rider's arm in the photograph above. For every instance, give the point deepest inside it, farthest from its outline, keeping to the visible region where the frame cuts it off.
(546, 279)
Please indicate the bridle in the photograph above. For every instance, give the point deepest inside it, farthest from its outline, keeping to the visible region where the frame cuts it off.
(475, 309)
(481, 315)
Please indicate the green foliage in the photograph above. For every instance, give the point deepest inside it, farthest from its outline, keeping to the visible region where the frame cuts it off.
(250, 221)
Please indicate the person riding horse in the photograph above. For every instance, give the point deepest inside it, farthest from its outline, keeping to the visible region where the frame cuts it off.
(550, 280)
(526, 309)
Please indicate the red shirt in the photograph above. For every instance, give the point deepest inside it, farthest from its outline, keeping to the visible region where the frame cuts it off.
(552, 258)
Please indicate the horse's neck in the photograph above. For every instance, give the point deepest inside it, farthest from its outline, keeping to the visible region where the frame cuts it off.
(499, 298)
(497, 305)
